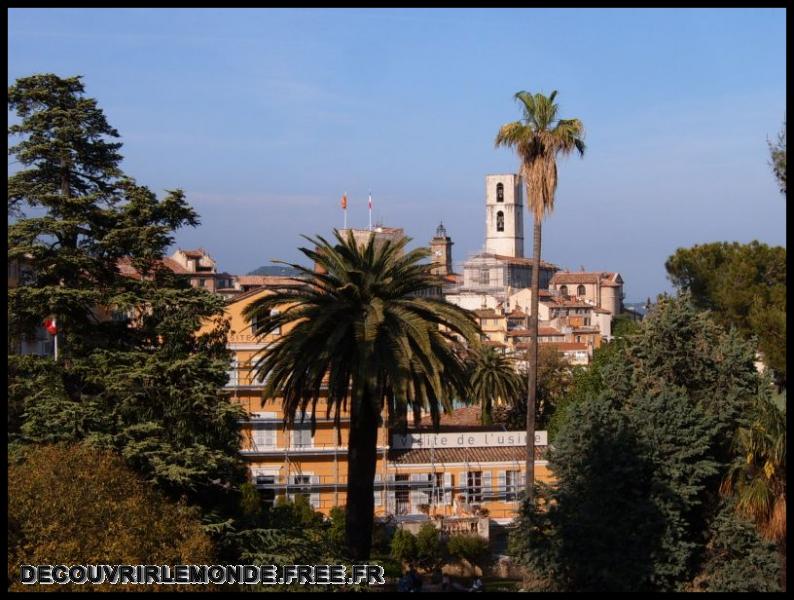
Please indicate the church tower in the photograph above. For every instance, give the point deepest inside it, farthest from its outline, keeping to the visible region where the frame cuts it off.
(441, 247)
(504, 215)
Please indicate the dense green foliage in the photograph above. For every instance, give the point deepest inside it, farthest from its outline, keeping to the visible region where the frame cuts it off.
(777, 152)
(430, 546)
(132, 372)
(493, 381)
(403, 545)
(363, 332)
(555, 384)
(744, 286)
(640, 458)
(737, 559)
(471, 548)
(757, 476)
(79, 505)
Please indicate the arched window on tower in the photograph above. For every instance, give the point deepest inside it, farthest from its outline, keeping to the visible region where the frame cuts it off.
(500, 192)
(563, 290)
(500, 221)
(580, 291)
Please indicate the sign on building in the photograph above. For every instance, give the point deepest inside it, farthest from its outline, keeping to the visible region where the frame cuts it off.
(473, 439)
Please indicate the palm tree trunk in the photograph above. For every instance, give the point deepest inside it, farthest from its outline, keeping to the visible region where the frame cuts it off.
(532, 383)
(362, 458)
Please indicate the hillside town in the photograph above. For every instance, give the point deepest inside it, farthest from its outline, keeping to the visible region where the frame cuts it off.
(386, 413)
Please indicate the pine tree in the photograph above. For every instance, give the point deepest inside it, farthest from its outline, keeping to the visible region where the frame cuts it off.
(143, 382)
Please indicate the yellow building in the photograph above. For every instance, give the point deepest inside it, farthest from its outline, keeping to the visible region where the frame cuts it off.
(464, 469)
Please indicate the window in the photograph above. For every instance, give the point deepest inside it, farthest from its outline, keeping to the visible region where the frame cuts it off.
(500, 221)
(500, 192)
(578, 339)
(402, 495)
(265, 484)
(233, 373)
(511, 485)
(485, 276)
(264, 436)
(302, 435)
(564, 290)
(580, 291)
(258, 329)
(303, 484)
(474, 486)
(438, 488)
(587, 321)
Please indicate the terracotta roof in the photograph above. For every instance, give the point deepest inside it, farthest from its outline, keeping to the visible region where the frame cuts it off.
(486, 313)
(517, 314)
(602, 311)
(604, 277)
(175, 266)
(197, 253)
(126, 268)
(462, 455)
(268, 280)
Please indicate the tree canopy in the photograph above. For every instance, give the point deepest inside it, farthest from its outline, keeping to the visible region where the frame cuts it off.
(744, 286)
(639, 462)
(132, 373)
(74, 504)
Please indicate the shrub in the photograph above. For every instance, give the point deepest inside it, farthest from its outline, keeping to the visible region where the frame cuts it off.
(429, 546)
(471, 548)
(403, 545)
(78, 505)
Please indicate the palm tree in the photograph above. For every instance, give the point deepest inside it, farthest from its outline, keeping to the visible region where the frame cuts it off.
(363, 333)
(538, 137)
(757, 477)
(493, 380)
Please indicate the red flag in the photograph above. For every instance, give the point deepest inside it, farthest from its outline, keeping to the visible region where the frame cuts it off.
(50, 326)
(370, 201)
(344, 201)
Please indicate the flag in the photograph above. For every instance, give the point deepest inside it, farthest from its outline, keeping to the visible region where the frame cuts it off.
(370, 200)
(344, 201)
(50, 326)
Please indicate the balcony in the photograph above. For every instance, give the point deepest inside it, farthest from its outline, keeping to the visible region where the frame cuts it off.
(313, 450)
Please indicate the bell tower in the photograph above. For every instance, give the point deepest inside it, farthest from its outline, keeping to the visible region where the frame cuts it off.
(441, 247)
(504, 215)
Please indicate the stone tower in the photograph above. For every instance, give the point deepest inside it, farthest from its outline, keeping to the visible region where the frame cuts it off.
(441, 247)
(504, 215)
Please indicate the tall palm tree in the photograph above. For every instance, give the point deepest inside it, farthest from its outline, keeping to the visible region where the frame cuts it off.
(363, 331)
(493, 381)
(538, 137)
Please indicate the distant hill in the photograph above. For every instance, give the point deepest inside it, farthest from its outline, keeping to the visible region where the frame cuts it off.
(276, 270)
(638, 307)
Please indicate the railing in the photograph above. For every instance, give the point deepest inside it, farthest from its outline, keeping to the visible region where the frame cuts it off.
(255, 449)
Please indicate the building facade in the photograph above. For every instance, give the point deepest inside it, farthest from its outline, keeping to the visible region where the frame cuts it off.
(462, 471)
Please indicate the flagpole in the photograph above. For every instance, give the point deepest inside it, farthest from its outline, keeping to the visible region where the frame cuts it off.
(55, 341)
(370, 210)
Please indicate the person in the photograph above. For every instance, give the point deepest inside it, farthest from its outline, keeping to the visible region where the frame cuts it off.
(476, 586)
(404, 583)
(446, 584)
(416, 579)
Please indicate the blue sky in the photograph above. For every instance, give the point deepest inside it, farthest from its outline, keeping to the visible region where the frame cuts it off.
(265, 117)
